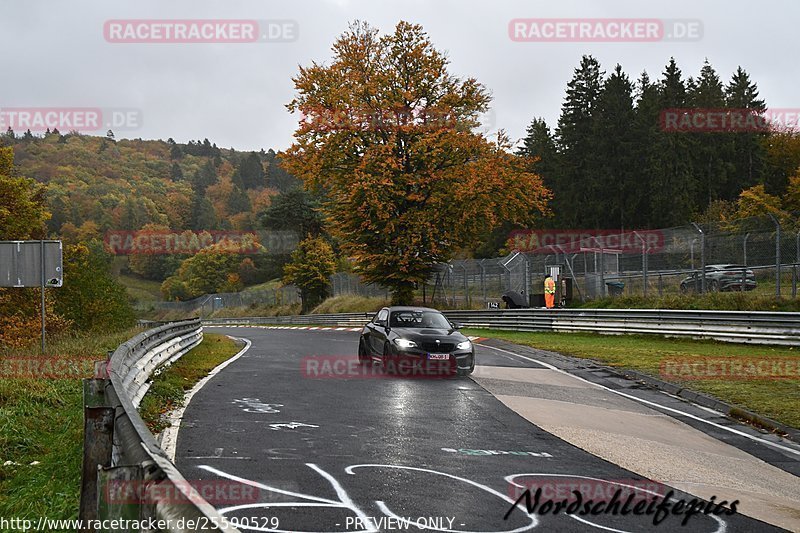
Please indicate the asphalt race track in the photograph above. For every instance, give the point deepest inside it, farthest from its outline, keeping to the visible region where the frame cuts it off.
(378, 452)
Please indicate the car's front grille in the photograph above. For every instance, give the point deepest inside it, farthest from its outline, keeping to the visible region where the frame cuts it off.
(444, 347)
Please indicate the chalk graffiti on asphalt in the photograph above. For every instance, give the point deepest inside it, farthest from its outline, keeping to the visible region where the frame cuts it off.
(254, 405)
(467, 451)
(344, 502)
(291, 425)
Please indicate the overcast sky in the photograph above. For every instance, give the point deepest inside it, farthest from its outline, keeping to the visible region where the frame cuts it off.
(56, 55)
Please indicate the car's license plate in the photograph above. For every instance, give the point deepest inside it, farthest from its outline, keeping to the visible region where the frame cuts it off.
(438, 356)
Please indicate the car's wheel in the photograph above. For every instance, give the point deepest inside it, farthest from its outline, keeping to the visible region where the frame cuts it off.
(363, 356)
(466, 371)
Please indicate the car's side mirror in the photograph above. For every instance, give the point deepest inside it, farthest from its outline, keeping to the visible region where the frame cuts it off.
(456, 325)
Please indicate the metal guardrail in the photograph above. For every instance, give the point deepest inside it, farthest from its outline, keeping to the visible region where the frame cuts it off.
(337, 319)
(753, 327)
(126, 475)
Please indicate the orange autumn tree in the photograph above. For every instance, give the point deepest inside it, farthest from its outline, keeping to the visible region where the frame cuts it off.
(387, 137)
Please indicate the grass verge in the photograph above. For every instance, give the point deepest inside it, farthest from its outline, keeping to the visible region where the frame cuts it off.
(718, 301)
(41, 422)
(773, 398)
(349, 303)
(140, 289)
(168, 388)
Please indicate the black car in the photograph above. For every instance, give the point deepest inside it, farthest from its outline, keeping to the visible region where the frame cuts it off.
(416, 338)
(722, 277)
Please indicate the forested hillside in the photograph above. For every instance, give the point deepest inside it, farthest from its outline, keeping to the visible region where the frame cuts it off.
(609, 162)
(95, 184)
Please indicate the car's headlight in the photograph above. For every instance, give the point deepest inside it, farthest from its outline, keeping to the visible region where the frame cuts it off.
(405, 343)
(466, 345)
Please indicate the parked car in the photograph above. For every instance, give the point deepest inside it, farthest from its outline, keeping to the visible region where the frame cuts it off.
(720, 278)
(418, 336)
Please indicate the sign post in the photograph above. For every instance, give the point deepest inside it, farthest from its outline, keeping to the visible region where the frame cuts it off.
(32, 264)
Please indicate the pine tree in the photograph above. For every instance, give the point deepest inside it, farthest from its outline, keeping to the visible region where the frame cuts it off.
(645, 130)
(748, 150)
(238, 201)
(176, 174)
(205, 176)
(277, 177)
(576, 181)
(297, 210)
(713, 151)
(612, 157)
(206, 148)
(672, 182)
(203, 215)
(539, 144)
(251, 173)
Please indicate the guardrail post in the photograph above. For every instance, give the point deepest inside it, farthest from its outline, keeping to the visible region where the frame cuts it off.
(98, 433)
(119, 491)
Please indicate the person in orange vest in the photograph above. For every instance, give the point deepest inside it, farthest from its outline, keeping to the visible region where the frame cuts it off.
(549, 291)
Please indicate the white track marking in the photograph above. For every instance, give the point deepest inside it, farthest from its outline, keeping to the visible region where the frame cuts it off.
(532, 517)
(169, 438)
(652, 404)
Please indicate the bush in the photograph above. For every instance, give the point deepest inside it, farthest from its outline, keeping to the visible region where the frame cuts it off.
(90, 297)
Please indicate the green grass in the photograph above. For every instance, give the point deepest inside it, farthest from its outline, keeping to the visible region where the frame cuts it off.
(776, 399)
(267, 285)
(141, 290)
(168, 388)
(350, 303)
(720, 301)
(42, 420)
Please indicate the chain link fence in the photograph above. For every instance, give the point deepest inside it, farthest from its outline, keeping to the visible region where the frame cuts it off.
(759, 255)
(205, 305)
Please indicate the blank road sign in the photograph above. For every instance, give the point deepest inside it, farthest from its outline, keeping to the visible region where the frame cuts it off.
(21, 264)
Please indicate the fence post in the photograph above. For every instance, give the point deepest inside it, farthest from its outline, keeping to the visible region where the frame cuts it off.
(702, 257)
(483, 281)
(466, 285)
(797, 246)
(777, 256)
(644, 264)
(744, 249)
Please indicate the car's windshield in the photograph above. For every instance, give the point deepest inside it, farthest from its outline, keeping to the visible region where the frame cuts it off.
(418, 319)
